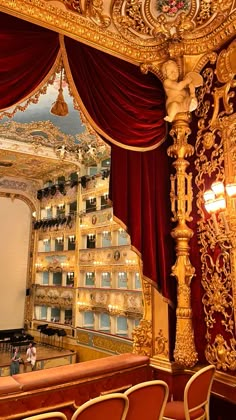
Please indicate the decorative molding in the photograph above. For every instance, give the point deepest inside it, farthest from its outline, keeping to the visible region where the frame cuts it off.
(136, 31)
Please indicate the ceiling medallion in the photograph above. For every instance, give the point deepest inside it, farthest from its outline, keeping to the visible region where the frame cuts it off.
(151, 22)
(171, 8)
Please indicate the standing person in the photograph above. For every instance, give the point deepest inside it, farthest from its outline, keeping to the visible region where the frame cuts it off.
(15, 362)
(31, 355)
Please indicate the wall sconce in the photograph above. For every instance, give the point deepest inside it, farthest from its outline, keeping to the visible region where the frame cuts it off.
(114, 309)
(130, 262)
(215, 205)
(105, 275)
(45, 241)
(106, 234)
(61, 205)
(72, 238)
(97, 262)
(91, 237)
(38, 266)
(64, 265)
(60, 239)
(105, 196)
(83, 306)
(48, 208)
(122, 233)
(92, 200)
(70, 275)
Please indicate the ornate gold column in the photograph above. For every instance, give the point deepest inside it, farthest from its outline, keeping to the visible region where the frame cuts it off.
(181, 206)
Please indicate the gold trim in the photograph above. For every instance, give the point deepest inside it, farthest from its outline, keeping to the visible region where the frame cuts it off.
(83, 29)
(36, 91)
(85, 112)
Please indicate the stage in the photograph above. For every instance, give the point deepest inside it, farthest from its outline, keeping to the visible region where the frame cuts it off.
(47, 357)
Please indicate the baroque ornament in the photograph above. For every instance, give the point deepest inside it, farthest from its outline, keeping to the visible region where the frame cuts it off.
(215, 155)
(170, 8)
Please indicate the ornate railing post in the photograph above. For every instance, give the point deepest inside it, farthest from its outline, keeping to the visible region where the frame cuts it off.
(181, 205)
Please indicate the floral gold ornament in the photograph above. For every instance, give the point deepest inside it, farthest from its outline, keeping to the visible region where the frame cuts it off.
(215, 162)
(172, 7)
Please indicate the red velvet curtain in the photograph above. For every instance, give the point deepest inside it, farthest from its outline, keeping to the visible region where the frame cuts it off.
(129, 107)
(27, 54)
(126, 105)
(142, 203)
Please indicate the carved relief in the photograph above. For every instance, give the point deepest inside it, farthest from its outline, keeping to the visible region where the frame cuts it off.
(161, 344)
(57, 297)
(215, 148)
(142, 338)
(147, 26)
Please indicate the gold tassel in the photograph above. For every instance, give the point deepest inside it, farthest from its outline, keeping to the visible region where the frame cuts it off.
(60, 107)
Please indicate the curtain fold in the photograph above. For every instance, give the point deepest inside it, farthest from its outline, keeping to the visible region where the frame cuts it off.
(128, 107)
(27, 55)
(140, 194)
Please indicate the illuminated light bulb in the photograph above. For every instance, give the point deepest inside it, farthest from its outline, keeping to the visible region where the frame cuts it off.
(208, 195)
(231, 189)
(218, 188)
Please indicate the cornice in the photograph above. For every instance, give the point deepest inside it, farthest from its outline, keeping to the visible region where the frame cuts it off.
(195, 42)
(82, 29)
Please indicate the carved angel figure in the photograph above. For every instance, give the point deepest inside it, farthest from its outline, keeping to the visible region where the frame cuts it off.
(180, 94)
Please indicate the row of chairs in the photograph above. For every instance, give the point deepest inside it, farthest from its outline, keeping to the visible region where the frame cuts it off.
(48, 336)
(147, 401)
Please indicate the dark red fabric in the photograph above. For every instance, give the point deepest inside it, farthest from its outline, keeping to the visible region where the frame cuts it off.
(140, 194)
(126, 104)
(129, 107)
(27, 53)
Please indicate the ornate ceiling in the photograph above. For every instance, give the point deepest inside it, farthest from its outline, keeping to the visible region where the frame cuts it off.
(136, 30)
(36, 144)
(145, 33)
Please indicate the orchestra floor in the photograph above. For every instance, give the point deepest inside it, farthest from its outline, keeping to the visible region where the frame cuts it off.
(47, 356)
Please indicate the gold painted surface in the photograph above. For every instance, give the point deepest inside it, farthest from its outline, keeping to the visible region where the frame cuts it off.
(62, 361)
(133, 30)
(142, 338)
(89, 353)
(82, 337)
(112, 345)
(181, 204)
(32, 167)
(215, 151)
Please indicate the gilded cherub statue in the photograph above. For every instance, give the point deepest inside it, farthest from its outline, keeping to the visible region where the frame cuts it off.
(180, 94)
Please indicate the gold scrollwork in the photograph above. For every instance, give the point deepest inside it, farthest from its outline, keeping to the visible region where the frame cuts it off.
(221, 354)
(214, 150)
(161, 343)
(142, 338)
(94, 10)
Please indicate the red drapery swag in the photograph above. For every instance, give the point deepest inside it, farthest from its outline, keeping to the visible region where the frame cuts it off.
(27, 54)
(126, 106)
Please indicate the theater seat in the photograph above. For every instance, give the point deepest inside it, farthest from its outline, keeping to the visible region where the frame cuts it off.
(195, 405)
(147, 400)
(112, 406)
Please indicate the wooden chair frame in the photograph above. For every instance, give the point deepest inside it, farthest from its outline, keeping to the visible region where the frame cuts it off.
(101, 398)
(205, 403)
(43, 416)
(152, 383)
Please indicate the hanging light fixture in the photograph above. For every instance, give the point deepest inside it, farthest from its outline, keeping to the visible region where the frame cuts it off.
(60, 107)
